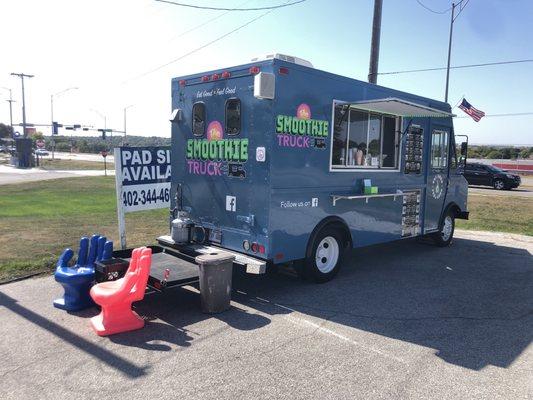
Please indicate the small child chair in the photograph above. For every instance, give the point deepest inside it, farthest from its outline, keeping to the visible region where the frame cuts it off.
(77, 280)
(116, 297)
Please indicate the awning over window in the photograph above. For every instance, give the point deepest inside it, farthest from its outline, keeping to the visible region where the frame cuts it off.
(399, 107)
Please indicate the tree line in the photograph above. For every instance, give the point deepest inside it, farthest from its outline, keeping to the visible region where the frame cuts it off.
(500, 152)
(95, 144)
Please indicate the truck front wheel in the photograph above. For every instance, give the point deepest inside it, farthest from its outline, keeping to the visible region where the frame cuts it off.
(444, 236)
(325, 257)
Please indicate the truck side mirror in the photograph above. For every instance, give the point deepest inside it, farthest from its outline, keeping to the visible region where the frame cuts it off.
(464, 149)
(464, 152)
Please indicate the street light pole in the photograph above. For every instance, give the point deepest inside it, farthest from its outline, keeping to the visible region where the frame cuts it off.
(124, 138)
(449, 54)
(22, 76)
(52, 114)
(10, 101)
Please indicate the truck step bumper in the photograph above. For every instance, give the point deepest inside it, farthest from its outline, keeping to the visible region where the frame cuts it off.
(253, 265)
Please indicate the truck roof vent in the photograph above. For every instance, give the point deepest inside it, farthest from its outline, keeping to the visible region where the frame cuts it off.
(284, 57)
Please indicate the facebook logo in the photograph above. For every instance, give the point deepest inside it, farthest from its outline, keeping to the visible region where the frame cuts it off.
(314, 202)
(231, 203)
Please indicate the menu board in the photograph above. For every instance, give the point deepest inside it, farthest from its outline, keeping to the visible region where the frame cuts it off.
(411, 213)
(413, 150)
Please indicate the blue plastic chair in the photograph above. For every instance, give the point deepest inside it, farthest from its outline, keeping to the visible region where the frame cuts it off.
(78, 280)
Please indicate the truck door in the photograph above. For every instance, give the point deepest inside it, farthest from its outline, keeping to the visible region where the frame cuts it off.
(437, 177)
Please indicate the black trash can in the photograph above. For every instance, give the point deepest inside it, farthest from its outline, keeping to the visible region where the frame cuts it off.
(215, 281)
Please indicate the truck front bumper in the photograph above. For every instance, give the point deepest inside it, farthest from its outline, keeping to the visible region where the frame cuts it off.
(462, 215)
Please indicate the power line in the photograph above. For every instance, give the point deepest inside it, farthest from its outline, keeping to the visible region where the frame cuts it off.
(461, 8)
(456, 67)
(203, 23)
(201, 47)
(431, 10)
(231, 9)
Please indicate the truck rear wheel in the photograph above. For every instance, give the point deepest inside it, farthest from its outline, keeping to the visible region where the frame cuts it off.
(325, 257)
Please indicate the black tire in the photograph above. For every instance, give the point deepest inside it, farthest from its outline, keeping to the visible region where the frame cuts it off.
(444, 236)
(499, 184)
(323, 270)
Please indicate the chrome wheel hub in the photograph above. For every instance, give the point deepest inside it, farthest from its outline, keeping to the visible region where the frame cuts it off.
(447, 227)
(327, 254)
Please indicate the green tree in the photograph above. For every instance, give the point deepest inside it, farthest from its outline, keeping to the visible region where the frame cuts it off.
(494, 154)
(6, 131)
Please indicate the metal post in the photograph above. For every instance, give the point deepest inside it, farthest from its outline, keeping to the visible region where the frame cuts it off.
(23, 109)
(374, 47)
(22, 76)
(10, 109)
(124, 137)
(52, 115)
(10, 101)
(120, 205)
(449, 54)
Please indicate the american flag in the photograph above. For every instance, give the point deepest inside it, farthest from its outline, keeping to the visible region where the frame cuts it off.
(472, 111)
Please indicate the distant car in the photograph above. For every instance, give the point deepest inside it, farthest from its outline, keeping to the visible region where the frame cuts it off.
(41, 152)
(488, 175)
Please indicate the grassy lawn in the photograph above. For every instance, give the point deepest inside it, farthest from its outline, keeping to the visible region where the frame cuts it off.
(39, 219)
(49, 164)
(500, 214)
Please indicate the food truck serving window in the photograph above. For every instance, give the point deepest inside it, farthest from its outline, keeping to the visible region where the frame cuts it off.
(363, 139)
(233, 116)
(198, 119)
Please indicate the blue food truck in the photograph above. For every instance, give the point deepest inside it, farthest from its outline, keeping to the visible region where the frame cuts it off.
(280, 163)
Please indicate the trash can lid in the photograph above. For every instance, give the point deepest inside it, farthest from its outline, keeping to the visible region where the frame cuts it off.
(215, 258)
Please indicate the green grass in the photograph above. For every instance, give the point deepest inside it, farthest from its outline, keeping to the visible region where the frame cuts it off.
(511, 214)
(39, 219)
(49, 164)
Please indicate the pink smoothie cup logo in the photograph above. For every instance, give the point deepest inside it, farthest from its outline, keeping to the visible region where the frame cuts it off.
(303, 111)
(214, 131)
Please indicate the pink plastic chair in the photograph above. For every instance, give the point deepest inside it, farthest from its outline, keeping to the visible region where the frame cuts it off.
(116, 297)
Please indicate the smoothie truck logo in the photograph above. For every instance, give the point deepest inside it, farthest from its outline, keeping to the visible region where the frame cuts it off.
(214, 131)
(303, 112)
(301, 131)
(216, 156)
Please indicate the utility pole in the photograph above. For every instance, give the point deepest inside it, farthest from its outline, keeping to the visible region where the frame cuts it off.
(124, 138)
(449, 54)
(52, 114)
(374, 46)
(22, 76)
(10, 101)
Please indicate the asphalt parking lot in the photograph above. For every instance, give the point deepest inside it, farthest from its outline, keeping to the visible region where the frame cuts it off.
(405, 320)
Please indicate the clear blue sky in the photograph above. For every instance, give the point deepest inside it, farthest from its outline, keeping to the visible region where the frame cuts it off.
(97, 45)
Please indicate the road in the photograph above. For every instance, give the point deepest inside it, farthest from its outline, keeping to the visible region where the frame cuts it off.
(10, 175)
(488, 191)
(401, 321)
